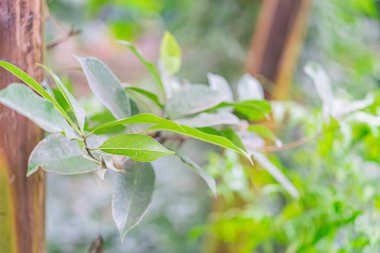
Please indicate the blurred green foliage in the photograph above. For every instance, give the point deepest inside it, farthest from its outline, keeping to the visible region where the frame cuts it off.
(205, 29)
(337, 173)
(344, 37)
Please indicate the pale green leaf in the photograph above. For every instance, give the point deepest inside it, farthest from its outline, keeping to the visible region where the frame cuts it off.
(210, 119)
(192, 99)
(132, 195)
(107, 88)
(219, 84)
(42, 112)
(201, 172)
(249, 88)
(59, 154)
(138, 147)
(170, 54)
(276, 173)
(35, 86)
(322, 84)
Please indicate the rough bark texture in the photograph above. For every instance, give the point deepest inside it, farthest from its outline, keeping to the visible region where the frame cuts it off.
(21, 198)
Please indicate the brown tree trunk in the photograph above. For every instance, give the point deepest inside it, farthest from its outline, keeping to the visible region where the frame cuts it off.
(21, 198)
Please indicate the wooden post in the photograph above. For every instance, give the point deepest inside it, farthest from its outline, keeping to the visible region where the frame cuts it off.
(273, 54)
(276, 42)
(21, 198)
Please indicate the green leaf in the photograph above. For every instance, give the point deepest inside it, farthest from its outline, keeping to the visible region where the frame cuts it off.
(265, 133)
(170, 54)
(35, 86)
(142, 104)
(106, 87)
(210, 119)
(149, 66)
(192, 99)
(42, 112)
(201, 172)
(59, 154)
(74, 105)
(139, 147)
(153, 97)
(249, 109)
(104, 117)
(168, 125)
(132, 195)
(248, 88)
(233, 137)
(276, 173)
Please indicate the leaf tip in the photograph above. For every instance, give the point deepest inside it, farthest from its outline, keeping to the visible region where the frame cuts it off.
(125, 43)
(31, 170)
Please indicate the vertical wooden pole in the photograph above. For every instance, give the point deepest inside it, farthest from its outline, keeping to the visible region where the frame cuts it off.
(21, 198)
(276, 42)
(273, 54)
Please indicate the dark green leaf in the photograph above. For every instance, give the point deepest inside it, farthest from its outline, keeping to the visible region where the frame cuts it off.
(249, 109)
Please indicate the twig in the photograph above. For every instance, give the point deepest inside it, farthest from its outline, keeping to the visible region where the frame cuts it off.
(70, 34)
(96, 245)
(288, 146)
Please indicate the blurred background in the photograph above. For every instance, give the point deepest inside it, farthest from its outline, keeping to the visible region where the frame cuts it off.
(337, 174)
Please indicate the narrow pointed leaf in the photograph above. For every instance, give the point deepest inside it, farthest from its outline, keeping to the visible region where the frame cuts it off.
(59, 154)
(106, 87)
(152, 69)
(42, 112)
(75, 107)
(170, 54)
(34, 85)
(138, 147)
(153, 97)
(276, 173)
(168, 125)
(132, 195)
(201, 172)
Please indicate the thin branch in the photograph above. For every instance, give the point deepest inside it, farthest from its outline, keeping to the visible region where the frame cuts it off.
(287, 146)
(70, 34)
